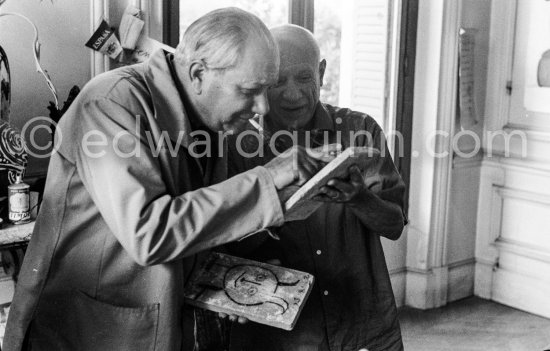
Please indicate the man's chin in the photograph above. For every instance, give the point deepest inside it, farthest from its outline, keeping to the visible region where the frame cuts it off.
(294, 121)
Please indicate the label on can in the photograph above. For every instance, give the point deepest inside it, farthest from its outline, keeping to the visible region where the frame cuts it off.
(19, 204)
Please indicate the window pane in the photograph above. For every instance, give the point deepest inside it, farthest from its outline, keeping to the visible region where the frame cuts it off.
(272, 13)
(328, 32)
(357, 40)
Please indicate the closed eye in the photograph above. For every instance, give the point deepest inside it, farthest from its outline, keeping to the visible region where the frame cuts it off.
(251, 92)
(304, 78)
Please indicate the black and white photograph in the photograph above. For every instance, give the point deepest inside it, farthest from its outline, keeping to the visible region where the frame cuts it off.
(276, 175)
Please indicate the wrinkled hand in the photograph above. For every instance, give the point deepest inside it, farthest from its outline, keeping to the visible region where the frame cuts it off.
(233, 318)
(298, 164)
(287, 192)
(274, 261)
(338, 190)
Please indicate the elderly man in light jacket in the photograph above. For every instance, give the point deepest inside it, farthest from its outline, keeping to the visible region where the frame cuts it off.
(138, 183)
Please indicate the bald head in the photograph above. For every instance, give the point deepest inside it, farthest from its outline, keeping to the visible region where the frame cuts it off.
(296, 44)
(294, 99)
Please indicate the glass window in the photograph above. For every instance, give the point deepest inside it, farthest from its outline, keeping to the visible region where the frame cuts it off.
(357, 38)
(273, 12)
(327, 28)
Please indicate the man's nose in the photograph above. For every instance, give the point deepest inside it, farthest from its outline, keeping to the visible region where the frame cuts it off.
(261, 105)
(292, 92)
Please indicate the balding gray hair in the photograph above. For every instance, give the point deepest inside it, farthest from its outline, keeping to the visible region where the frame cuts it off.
(218, 38)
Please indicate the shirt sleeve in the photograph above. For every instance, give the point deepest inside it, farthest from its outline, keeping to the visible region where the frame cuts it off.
(383, 178)
(125, 180)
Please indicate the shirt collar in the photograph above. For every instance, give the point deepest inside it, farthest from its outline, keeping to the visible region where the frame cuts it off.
(321, 119)
(166, 94)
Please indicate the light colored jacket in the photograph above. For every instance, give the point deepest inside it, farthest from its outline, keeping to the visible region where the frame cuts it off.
(104, 269)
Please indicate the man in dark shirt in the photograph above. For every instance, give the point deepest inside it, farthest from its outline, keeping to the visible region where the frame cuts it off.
(352, 305)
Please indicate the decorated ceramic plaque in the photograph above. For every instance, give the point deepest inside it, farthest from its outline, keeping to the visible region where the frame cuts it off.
(261, 292)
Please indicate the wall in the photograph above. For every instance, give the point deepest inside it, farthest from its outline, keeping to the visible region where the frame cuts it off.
(513, 238)
(444, 186)
(465, 176)
(63, 29)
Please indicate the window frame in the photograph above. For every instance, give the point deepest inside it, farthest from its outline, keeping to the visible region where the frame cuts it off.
(405, 89)
(301, 12)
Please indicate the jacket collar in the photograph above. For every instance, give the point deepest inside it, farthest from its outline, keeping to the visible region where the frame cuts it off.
(166, 94)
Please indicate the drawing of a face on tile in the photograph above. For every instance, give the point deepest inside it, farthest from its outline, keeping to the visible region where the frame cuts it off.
(263, 293)
(250, 285)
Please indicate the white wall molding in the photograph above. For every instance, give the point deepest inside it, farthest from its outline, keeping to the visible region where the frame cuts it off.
(436, 287)
(427, 288)
(461, 279)
(540, 198)
(509, 181)
(427, 275)
(470, 162)
(502, 31)
(525, 165)
(398, 279)
(446, 116)
(497, 111)
(522, 291)
(489, 214)
(523, 249)
(541, 133)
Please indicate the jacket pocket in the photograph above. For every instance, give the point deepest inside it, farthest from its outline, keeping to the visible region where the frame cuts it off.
(97, 325)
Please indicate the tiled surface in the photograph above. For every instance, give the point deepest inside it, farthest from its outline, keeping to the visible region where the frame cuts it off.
(473, 324)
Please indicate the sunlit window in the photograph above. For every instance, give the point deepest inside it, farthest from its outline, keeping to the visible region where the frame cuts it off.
(328, 32)
(357, 38)
(368, 61)
(272, 13)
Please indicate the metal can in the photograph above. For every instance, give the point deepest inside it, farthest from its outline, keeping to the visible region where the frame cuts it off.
(19, 202)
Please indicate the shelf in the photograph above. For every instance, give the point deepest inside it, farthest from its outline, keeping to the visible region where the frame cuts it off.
(12, 234)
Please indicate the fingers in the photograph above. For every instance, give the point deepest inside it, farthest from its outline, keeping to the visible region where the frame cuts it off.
(340, 186)
(233, 318)
(274, 261)
(304, 166)
(338, 190)
(325, 153)
(329, 148)
(355, 175)
(322, 198)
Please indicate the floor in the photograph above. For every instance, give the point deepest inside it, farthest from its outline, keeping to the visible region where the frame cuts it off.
(473, 324)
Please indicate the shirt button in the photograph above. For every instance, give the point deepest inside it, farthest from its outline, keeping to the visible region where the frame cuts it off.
(325, 292)
(318, 252)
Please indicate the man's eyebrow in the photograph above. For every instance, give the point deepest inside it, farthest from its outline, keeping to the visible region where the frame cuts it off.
(255, 85)
(251, 86)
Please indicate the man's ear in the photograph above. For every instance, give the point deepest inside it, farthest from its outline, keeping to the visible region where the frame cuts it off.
(322, 67)
(196, 75)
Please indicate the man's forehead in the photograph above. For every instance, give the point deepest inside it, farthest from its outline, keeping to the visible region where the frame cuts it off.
(299, 67)
(263, 74)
